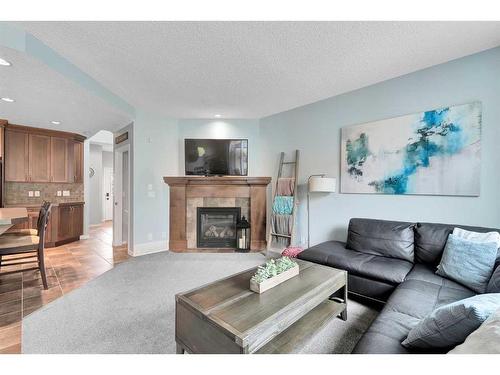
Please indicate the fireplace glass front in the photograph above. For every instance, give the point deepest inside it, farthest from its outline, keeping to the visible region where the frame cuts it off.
(216, 227)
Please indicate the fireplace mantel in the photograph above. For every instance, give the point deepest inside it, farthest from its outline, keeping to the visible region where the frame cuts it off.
(186, 187)
(216, 180)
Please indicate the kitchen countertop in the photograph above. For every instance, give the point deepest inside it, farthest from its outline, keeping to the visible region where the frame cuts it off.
(37, 205)
(12, 216)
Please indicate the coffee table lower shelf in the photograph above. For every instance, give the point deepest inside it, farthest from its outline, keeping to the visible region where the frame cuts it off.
(303, 329)
(299, 332)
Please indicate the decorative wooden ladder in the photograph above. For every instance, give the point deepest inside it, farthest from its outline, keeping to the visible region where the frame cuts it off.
(290, 239)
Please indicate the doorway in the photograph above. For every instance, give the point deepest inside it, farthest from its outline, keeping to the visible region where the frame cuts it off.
(100, 199)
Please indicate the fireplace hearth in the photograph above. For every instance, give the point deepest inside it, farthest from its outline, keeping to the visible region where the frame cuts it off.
(216, 227)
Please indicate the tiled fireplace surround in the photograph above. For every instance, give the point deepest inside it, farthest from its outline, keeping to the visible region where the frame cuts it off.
(193, 203)
(190, 192)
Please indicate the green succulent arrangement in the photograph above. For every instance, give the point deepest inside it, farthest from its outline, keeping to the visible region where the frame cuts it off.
(272, 268)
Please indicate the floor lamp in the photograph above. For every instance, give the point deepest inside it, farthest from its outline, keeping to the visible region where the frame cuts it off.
(318, 183)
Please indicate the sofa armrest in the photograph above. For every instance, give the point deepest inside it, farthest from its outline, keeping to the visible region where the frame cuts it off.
(320, 253)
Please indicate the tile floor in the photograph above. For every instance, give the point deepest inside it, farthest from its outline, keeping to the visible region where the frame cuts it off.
(68, 267)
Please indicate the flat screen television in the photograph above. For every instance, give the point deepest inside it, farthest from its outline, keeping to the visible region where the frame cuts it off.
(216, 157)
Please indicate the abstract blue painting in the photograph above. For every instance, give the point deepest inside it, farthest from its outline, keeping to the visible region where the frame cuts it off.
(435, 152)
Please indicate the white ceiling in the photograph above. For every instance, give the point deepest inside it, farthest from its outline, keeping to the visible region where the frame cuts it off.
(42, 95)
(253, 69)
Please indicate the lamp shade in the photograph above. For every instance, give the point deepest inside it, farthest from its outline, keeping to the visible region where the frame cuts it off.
(322, 185)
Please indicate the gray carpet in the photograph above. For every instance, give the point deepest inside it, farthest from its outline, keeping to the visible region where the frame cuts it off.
(130, 309)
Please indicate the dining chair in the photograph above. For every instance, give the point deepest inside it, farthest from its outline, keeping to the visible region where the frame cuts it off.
(29, 232)
(20, 244)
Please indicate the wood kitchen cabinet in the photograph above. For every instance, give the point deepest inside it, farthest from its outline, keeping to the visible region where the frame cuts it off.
(39, 158)
(65, 223)
(70, 222)
(59, 159)
(40, 155)
(75, 159)
(16, 156)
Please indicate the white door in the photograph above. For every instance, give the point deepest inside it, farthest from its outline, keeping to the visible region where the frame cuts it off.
(108, 193)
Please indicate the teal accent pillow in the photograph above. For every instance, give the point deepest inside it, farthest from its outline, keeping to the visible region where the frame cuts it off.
(283, 205)
(450, 325)
(467, 262)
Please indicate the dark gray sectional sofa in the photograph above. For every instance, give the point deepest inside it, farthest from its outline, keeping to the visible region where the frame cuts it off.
(395, 262)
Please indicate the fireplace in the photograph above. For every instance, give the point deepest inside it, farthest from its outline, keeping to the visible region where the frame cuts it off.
(187, 193)
(216, 227)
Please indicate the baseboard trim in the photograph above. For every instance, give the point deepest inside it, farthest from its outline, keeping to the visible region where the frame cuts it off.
(149, 248)
(84, 237)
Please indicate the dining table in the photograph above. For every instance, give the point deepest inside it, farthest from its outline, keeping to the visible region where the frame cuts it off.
(11, 216)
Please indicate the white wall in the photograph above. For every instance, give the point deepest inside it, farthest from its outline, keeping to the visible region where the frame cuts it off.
(117, 158)
(98, 159)
(315, 130)
(107, 159)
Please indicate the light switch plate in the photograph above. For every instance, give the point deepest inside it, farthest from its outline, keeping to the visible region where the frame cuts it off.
(30, 193)
(65, 193)
(59, 193)
(37, 193)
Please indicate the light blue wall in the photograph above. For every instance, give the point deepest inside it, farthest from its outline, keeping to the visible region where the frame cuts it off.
(234, 128)
(315, 130)
(158, 152)
(155, 155)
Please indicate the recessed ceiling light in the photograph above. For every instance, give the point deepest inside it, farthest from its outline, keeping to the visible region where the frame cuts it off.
(217, 116)
(56, 122)
(4, 62)
(8, 100)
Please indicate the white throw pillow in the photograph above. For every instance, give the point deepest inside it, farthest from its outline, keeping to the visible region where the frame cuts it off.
(477, 236)
(484, 340)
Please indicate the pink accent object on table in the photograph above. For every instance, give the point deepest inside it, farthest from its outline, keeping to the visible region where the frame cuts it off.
(292, 252)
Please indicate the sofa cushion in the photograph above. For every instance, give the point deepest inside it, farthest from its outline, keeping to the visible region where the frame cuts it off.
(478, 236)
(413, 300)
(374, 289)
(335, 254)
(468, 262)
(450, 325)
(424, 273)
(391, 239)
(494, 283)
(484, 340)
(430, 240)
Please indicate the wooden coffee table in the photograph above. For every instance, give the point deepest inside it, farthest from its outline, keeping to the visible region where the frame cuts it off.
(227, 317)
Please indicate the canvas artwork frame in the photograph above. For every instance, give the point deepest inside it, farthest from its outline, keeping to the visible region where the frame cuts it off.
(435, 152)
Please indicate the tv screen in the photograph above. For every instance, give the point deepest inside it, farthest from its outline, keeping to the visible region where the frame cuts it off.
(208, 157)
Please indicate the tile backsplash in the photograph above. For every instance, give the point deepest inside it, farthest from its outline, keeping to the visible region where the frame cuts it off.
(18, 193)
